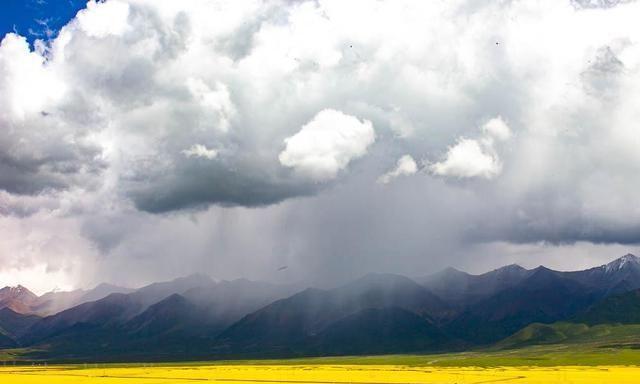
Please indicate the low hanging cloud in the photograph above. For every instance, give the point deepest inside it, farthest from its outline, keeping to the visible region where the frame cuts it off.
(325, 145)
(405, 166)
(475, 157)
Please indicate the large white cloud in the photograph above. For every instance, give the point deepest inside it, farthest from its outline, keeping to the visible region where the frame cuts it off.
(468, 158)
(325, 145)
(25, 81)
(103, 19)
(475, 157)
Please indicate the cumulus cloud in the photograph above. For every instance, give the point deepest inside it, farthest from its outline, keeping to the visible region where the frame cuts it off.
(468, 158)
(404, 167)
(475, 158)
(25, 80)
(325, 145)
(103, 19)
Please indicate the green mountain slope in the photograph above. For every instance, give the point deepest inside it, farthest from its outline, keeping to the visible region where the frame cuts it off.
(545, 296)
(563, 333)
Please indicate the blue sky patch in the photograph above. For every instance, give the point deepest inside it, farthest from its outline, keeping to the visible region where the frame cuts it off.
(37, 19)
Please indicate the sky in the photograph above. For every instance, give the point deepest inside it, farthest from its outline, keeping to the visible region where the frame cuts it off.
(37, 19)
(141, 140)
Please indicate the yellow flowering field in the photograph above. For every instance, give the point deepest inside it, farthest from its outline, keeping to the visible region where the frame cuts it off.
(314, 374)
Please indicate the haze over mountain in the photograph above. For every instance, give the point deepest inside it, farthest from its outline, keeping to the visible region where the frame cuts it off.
(290, 324)
(460, 288)
(22, 300)
(198, 317)
(157, 318)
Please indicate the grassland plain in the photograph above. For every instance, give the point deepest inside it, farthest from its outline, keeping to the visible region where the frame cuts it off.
(314, 373)
(565, 363)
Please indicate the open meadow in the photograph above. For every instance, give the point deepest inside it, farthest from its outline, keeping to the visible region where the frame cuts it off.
(576, 364)
(316, 374)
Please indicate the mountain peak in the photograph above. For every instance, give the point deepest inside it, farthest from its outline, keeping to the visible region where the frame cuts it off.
(511, 268)
(506, 271)
(542, 272)
(452, 271)
(17, 291)
(629, 257)
(622, 262)
(105, 286)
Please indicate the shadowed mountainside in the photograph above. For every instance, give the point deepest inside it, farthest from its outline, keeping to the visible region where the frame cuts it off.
(195, 316)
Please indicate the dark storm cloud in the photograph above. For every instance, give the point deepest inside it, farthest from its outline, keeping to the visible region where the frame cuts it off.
(199, 184)
(40, 156)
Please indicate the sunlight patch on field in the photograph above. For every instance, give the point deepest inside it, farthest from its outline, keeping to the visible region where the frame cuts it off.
(315, 374)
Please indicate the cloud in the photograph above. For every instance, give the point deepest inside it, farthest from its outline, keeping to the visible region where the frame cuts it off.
(404, 167)
(468, 158)
(586, 4)
(25, 80)
(103, 124)
(199, 150)
(39, 149)
(103, 19)
(325, 145)
(216, 102)
(475, 158)
(496, 128)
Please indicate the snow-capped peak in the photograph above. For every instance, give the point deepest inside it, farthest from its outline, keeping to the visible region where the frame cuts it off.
(622, 262)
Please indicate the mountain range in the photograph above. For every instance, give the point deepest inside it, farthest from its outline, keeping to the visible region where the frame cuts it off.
(197, 317)
(20, 299)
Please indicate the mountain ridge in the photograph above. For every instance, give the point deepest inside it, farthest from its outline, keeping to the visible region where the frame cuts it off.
(376, 313)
